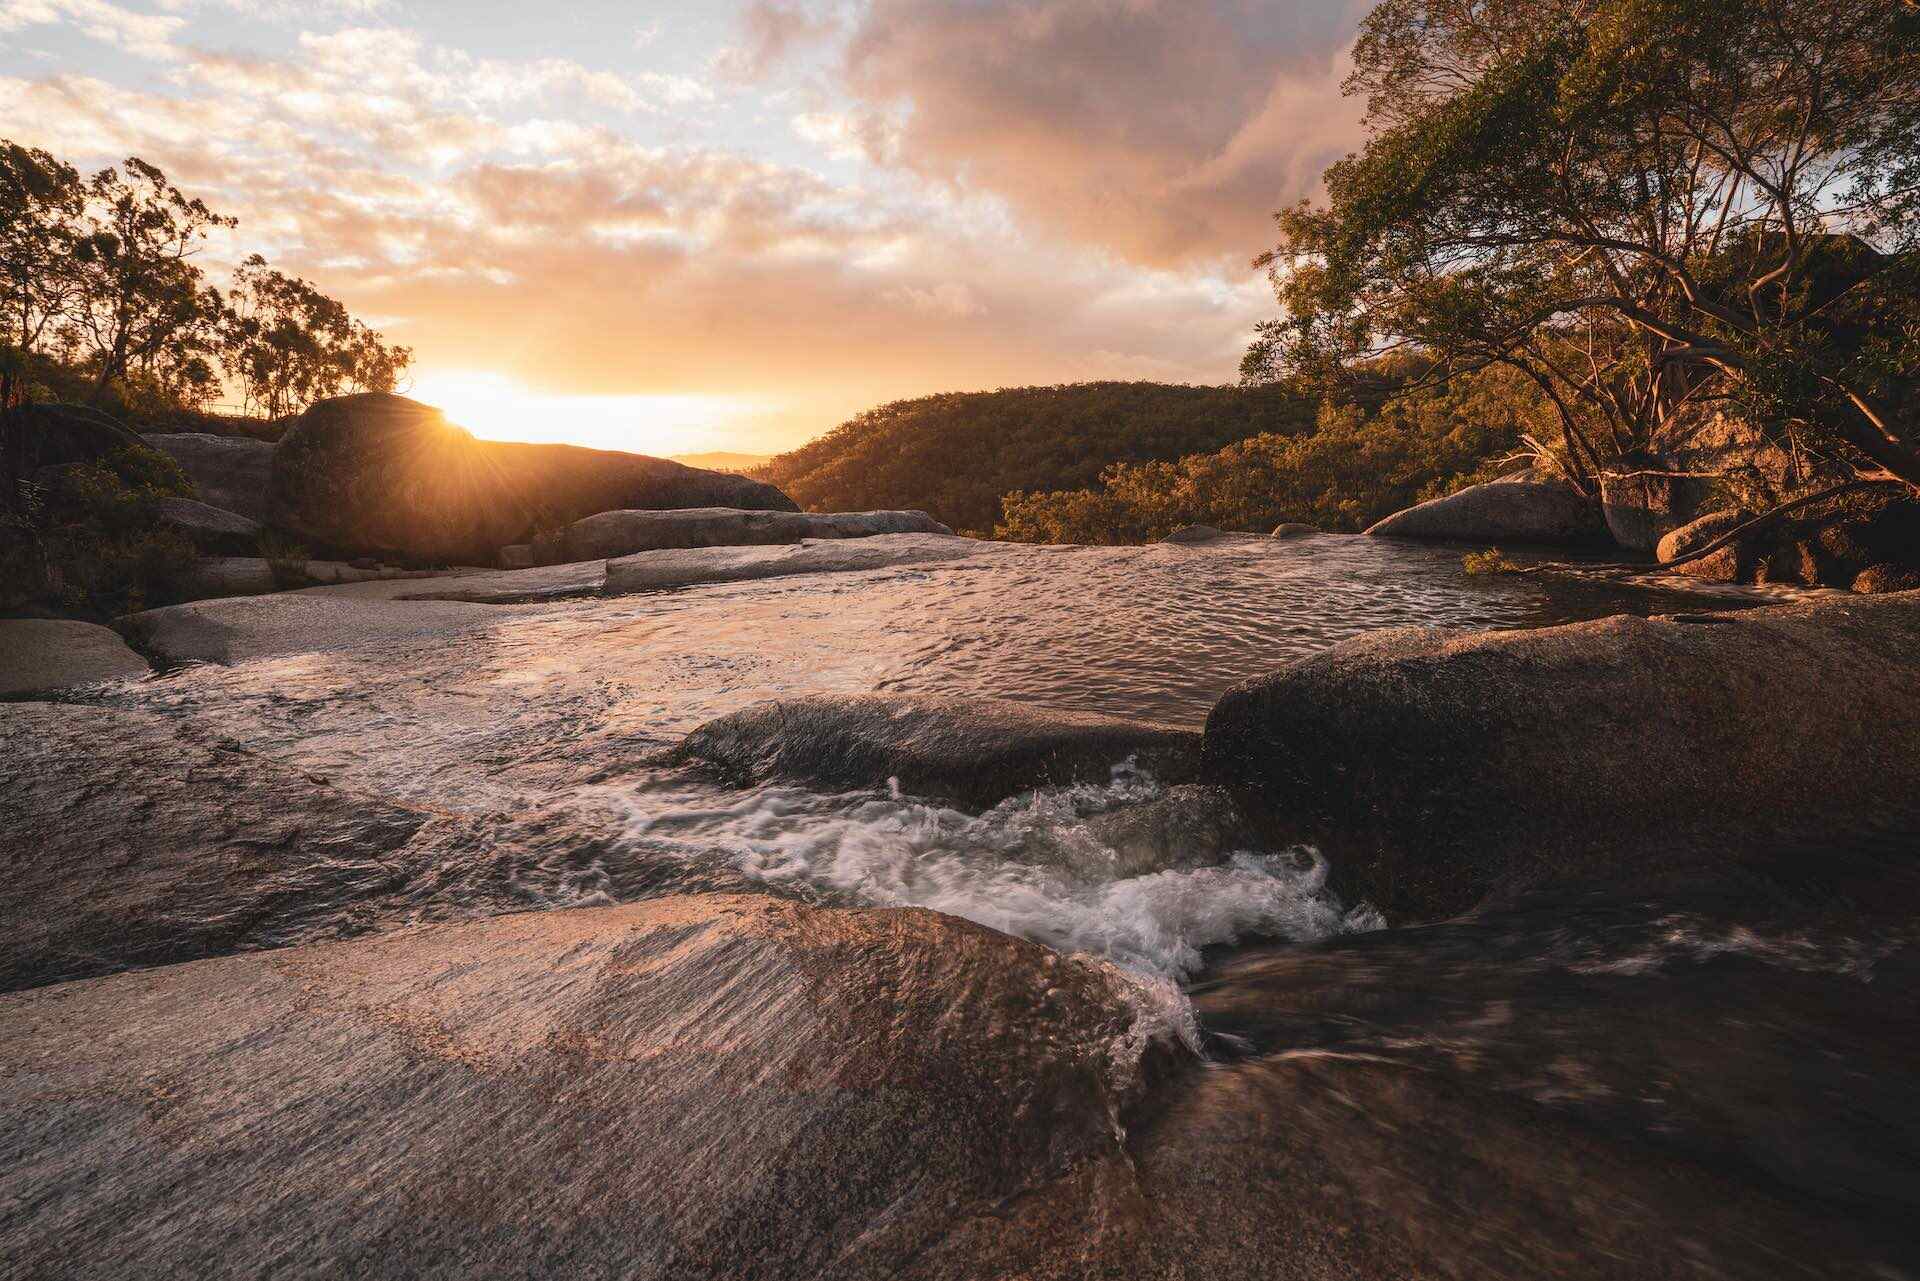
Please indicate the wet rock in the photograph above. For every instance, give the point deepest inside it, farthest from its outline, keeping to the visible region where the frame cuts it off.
(130, 843)
(41, 656)
(1437, 768)
(693, 1087)
(381, 474)
(233, 473)
(977, 751)
(622, 533)
(687, 567)
(209, 528)
(1564, 1088)
(1190, 826)
(1500, 512)
(1294, 530)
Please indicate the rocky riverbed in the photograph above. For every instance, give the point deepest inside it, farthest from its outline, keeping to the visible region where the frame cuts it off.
(970, 911)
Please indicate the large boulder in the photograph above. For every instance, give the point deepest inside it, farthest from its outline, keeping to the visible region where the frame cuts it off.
(381, 474)
(622, 533)
(978, 751)
(701, 1087)
(1524, 511)
(1437, 768)
(1723, 564)
(41, 656)
(229, 472)
(209, 528)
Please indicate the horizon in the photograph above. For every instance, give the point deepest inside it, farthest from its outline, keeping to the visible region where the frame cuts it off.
(726, 227)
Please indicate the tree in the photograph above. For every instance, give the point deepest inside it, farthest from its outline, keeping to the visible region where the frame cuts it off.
(286, 344)
(140, 303)
(1648, 208)
(40, 203)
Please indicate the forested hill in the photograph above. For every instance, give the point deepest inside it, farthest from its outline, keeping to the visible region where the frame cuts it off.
(956, 455)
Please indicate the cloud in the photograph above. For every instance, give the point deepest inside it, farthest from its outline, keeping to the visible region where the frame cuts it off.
(144, 34)
(770, 32)
(1164, 130)
(462, 200)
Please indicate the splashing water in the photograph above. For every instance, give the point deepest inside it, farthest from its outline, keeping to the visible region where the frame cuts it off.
(1032, 866)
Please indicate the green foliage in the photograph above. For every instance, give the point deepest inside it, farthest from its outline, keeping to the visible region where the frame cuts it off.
(955, 456)
(1639, 204)
(1356, 468)
(1490, 561)
(90, 541)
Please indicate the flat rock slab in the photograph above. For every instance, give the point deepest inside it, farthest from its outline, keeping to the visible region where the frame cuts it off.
(622, 533)
(239, 628)
(1439, 767)
(978, 751)
(513, 586)
(1506, 511)
(690, 567)
(696, 1087)
(40, 656)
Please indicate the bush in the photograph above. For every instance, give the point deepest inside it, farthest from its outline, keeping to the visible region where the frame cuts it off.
(1357, 468)
(89, 541)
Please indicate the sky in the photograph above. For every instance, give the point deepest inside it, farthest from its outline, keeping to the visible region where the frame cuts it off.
(724, 224)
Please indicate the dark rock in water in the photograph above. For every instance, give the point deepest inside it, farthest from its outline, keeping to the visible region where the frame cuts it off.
(1437, 768)
(42, 656)
(230, 472)
(708, 1087)
(381, 474)
(622, 533)
(1501, 512)
(211, 529)
(1190, 826)
(1293, 529)
(977, 751)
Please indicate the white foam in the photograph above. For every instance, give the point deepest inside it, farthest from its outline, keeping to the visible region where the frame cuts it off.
(996, 869)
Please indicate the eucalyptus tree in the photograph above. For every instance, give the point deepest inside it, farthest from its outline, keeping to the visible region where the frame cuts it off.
(285, 344)
(140, 301)
(41, 200)
(1649, 208)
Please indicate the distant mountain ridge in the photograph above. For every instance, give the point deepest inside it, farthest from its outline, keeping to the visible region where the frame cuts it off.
(956, 455)
(723, 460)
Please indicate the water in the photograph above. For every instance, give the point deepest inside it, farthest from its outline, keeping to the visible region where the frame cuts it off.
(532, 729)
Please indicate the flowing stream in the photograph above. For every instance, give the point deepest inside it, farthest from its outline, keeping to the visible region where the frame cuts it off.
(534, 726)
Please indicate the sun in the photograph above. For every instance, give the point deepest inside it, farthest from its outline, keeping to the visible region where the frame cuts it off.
(495, 407)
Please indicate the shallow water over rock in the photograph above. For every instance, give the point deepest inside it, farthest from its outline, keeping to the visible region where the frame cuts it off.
(527, 737)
